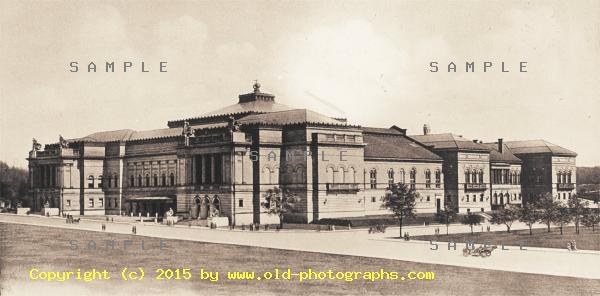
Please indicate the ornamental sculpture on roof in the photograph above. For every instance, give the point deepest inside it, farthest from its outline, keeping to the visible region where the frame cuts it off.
(63, 143)
(187, 132)
(233, 125)
(256, 86)
(35, 145)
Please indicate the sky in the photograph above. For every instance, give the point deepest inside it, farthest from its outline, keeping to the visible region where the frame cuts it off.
(367, 61)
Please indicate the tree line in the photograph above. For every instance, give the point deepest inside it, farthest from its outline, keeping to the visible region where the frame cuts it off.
(401, 200)
(13, 184)
(588, 175)
(548, 211)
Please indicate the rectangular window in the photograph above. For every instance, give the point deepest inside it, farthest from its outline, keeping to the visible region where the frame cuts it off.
(373, 199)
(68, 202)
(101, 202)
(373, 179)
(241, 203)
(91, 203)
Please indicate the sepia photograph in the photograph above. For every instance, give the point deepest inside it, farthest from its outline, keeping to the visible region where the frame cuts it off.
(298, 147)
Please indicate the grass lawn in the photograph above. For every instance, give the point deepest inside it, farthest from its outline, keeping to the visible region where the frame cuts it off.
(586, 239)
(23, 247)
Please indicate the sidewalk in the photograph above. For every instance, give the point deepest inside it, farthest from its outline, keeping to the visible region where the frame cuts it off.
(357, 243)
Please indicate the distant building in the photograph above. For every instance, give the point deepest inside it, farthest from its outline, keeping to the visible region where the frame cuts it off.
(505, 176)
(224, 162)
(547, 169)
(466, 170)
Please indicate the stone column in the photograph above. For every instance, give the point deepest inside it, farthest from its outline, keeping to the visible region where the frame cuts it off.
(212, 169)
(203, 168)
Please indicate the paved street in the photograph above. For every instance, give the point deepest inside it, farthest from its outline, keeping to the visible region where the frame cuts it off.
(583, 264)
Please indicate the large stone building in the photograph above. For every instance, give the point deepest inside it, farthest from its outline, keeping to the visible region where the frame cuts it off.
(224, 162)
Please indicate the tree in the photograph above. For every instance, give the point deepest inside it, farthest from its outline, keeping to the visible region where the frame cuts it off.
(562, 217)
(591, 219)
(446, 215)
(547, 207)
(528, 215)
(471, 220)
(13, 184)
(506, 216)
(278, 202)
(401, 201)
(577, 209)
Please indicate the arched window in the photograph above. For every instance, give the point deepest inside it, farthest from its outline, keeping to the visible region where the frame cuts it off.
(390, 177)
(155, 180)
(147, 180)
(131, 181)
(474, 177)
(172, 179)
(427, 179)
(558, 177)
(329, 173)
(373, 178)
(413, 178)
(467, 176)
(116, 180)
(438, 179)
(351, 175)
(163, 180)
(569, 177)
(481, 177)
(140, 181)
(91, 181)
(266, 175)
(109, 185)
(100, 181)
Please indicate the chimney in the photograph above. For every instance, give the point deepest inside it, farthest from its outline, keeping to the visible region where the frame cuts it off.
(426, 129)
(501, 145)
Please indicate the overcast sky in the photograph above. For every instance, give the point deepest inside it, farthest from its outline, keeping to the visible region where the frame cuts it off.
(367, 61)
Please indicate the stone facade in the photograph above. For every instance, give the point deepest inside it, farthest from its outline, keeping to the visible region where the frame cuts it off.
(223, 163)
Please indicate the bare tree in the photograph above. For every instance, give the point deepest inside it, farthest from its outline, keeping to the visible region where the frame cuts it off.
(401, 201)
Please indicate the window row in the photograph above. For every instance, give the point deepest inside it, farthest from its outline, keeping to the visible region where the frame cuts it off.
(474, 177)
(563, 177)
(401, 178)
(155, 181)
(111, 181)
(500, 176)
